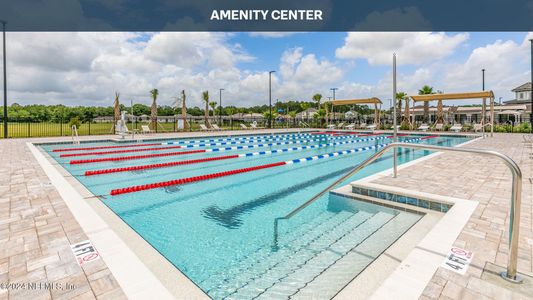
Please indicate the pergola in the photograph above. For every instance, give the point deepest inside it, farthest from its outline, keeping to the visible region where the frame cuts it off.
(373, 100)
(460, 96)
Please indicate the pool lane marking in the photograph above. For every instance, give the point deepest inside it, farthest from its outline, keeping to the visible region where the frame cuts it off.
(173, 143)
(149, 186)
(209, 159)
(183, 142)
(182, 147)
(120, 151)
(103, 147)
(119, 158)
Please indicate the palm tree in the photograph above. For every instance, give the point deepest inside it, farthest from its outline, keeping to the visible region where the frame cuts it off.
(184, 110)
(153, 110)
(305, 106)
(317, 98)
(426, 90)
(213, 105)
(205, 96)
(399, 97)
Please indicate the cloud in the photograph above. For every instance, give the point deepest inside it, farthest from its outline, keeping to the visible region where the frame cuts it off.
(411, 47)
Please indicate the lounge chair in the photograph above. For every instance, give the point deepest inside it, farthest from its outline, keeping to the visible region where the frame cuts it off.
(350, 126)
(244, 127)
(439, 126)
(423, 127)
(362, 126)
(331, 126)
(456, 127)
(215, 127)
(146, 129)
(204, 128)
(478, 127)
(371, 127)
(340, 125)
(254, 126)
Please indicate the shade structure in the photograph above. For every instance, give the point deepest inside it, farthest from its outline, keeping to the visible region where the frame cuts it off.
(373, 100)
(453, 96)
(463, 96)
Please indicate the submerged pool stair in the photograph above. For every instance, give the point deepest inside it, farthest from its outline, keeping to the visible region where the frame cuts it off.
(317, 258)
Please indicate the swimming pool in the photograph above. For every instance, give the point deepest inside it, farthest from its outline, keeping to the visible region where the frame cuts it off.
(219, 230)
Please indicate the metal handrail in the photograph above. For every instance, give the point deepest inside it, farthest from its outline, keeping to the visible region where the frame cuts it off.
(516, 195)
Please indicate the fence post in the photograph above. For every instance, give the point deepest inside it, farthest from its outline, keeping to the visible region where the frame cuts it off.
(29, 133)
(89, 127)
(61, 127)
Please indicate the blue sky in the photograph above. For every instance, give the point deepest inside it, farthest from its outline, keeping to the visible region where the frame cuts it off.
(87, 68)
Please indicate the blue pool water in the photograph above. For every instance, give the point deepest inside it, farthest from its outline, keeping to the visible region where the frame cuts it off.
(219, 232)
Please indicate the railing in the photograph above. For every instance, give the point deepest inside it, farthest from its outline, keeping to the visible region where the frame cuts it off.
(75, 138)
(516, 195)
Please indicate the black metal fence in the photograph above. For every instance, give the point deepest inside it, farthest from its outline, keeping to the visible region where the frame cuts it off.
(28, 129)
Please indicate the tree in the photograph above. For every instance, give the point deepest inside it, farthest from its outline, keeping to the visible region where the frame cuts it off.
(153, 110)
(305, 106)
(399, 97)
(426, 90)
(213, 104)
(317, 98)
(205, 96)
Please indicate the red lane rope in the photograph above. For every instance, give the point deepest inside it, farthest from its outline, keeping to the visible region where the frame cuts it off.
(399, 134)
(429, 137)
(160, 165)
(95, 160)
(103, 147)
(149, 186)
(120, 151)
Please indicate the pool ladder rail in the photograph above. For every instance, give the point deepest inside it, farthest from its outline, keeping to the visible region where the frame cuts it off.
(75, 137)
(516, 195)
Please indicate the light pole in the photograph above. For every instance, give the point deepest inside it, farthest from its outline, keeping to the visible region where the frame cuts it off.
(332, 106)
(483, 79)
(5, 77)
(270, 98)
(220, 106)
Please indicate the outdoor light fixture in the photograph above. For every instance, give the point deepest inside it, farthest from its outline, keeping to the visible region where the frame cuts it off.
(220, 104)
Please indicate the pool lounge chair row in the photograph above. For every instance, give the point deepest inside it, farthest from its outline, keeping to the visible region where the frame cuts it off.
(214, 127)
(351, 126)
(252, 126)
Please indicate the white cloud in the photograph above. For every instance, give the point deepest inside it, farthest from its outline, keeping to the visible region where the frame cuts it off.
(411, 47)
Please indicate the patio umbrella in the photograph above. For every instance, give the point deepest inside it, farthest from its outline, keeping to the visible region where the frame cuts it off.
(407, 117)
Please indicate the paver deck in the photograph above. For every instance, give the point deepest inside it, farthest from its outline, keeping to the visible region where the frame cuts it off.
(37, 228)
(488, 181)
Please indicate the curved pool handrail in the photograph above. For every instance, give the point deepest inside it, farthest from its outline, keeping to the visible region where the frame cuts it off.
(516, 195)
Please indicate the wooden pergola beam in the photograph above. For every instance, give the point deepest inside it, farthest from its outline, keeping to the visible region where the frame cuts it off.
(373, 100)
(453, 96)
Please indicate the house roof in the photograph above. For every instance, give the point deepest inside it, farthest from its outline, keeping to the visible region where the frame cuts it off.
(524, 87)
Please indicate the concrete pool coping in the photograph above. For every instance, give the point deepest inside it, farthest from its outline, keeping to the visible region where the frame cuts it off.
(154, 272)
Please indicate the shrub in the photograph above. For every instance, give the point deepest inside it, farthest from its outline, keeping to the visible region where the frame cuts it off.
(74, 121)
(447, 127)
(405, 126)
(523, 128)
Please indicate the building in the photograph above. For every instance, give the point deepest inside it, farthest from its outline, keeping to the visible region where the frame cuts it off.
(522, 95)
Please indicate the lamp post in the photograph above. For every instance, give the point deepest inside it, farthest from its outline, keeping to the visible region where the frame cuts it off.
(270, 98)
(332, 106)
(220, 106)
(5, 77)
(483, 79)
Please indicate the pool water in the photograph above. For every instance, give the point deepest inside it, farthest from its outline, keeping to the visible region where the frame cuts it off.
(219, 232)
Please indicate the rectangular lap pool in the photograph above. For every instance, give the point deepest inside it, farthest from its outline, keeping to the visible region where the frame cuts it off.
(208, 206)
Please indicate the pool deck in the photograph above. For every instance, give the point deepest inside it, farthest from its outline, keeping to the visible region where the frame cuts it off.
(37, 227)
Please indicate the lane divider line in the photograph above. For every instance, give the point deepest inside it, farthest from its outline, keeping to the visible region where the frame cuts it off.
(186, 162)
(103, 147)
(138, 188)
(119, 151)
(119, 158)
